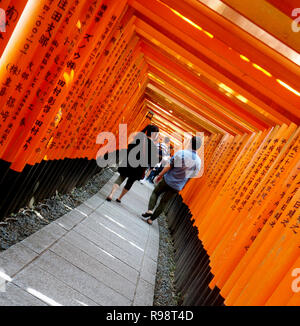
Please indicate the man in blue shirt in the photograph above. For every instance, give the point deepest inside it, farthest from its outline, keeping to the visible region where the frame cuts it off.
(183, 165)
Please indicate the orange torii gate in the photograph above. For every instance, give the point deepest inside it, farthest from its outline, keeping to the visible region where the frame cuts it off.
(70, 70)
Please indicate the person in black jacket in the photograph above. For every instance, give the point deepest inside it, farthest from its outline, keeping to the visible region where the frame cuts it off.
(141, 154)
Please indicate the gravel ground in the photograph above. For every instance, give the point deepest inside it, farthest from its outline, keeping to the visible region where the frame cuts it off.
(165, 293)
(27, 221)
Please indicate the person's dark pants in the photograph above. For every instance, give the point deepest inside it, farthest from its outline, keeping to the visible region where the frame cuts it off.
(167, 192)
(129, 183)
(151, 176)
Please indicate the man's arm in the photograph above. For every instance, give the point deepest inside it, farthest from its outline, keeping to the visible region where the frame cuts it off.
(167, 168)
(162, 173)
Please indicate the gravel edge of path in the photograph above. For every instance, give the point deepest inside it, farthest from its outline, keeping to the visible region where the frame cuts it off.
(165, 293)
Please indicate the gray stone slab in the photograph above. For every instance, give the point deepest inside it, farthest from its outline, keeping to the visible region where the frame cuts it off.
(69, 220)
(15, 258)
(115, 250)
(132, 218)
(49, 289)
(15, 296)
(124, 229)
(131, 214)
(84, 209)
(144, 294)
(153, 239)
(44, 238)
(103, 193)
(154, 231)
(80, 280)
(152, 253)
(127, 245)
(4, 277)
(94, 268)
(137, 203)
(148, 271)
(152, 248)
(103, 256)
(153, 243)
(94, 202)
(99, 197)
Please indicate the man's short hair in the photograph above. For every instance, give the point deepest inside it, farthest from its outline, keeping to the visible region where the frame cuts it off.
(196, 143)
(167, 140)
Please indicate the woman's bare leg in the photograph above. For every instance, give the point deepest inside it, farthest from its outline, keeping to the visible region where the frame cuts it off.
(114, 189)
(123, 193)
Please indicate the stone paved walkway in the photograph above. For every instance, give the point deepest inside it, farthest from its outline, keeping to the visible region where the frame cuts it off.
(101, 253)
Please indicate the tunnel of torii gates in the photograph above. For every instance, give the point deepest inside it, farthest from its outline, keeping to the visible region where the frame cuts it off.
(229, 69)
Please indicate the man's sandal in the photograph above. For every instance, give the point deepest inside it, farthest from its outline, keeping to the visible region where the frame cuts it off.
(147, 214)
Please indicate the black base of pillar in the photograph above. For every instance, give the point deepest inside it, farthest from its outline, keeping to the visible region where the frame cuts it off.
(41, 181)
(192, 275)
